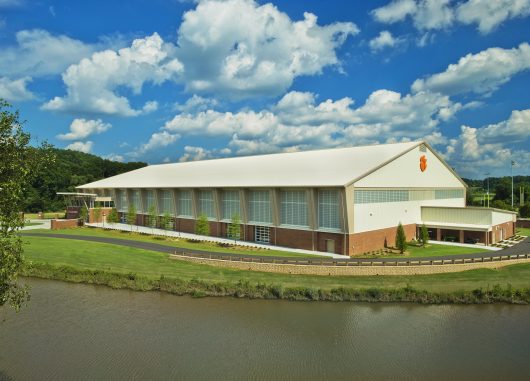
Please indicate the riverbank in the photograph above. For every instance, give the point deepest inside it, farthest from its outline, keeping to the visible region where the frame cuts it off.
(138, 269)
(246, 289)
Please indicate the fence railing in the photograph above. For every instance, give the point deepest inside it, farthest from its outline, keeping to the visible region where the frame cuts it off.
(353, 262)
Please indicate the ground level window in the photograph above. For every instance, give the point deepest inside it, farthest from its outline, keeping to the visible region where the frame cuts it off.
(262, 234)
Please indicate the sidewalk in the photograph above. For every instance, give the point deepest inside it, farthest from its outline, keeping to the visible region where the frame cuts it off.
(171, 233)
(465, 245)
(42, 224)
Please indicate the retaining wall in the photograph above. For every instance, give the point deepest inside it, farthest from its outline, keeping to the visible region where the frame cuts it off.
(363, 270)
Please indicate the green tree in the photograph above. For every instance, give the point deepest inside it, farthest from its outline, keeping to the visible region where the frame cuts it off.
(165, 221)
(19, 165)
(424, 235)
(131, 216)
(152, 217)
(113, 216)
(202, 227)
(97, 214)
(500, 204)
(524, 211)
(83, 214)
(234, 229)
(401, 239)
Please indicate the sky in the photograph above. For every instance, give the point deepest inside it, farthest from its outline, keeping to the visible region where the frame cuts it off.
(169, 81)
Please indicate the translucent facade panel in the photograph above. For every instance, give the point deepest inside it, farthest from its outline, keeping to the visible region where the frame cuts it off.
(259, 207)
(230, 205)
(166, 202)
(395, 195)
(135, 200)
(206, 203)
(293, 208)
(449, 193)
(328, 209)
(185, 204)
(122, 200)
(150, 200)
(379, 196)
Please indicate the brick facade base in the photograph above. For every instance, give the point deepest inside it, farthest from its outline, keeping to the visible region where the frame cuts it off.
(360, 243)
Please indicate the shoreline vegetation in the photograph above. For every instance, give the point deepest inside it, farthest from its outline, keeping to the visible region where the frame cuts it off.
(137, 269)
(244, 289)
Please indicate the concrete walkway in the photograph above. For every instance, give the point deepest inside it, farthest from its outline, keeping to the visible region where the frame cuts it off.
(171, 233)
(42, 224)
(465, 245)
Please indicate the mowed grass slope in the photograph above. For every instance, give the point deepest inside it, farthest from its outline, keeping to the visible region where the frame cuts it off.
(173, 242)
(412, 251)
(83, 255)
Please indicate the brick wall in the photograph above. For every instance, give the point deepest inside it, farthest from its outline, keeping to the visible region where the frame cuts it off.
(523, 223)
(360, 243)
(92, 218)
(299, 239)
(185, 225)
(508, 231)
(64, 224)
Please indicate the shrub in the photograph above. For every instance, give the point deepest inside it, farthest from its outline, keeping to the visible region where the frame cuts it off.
(401, 239)
(202, 227)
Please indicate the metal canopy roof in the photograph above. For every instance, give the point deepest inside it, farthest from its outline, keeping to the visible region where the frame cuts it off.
(320, 168)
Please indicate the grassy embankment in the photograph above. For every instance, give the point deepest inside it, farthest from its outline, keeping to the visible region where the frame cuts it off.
(523, 231)
(174, 242)
(137, 269)
(412, 251)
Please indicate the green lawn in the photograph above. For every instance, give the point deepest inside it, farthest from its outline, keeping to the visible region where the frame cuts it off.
(412, 251)
(46, 215)
(106, 257)
(432, 250)
(174, 242)
(523, 231)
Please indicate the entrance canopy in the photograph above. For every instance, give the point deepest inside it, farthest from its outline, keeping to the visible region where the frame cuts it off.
(76, 199)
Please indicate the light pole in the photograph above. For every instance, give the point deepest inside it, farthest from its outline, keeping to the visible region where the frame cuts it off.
(513, 163)
(488, 192)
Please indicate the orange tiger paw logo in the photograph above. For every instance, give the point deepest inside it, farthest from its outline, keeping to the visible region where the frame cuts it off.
(423, 163)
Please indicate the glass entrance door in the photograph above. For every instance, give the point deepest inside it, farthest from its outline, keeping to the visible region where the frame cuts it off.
(262, 234)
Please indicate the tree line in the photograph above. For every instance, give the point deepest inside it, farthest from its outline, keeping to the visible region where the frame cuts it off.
(70, 169)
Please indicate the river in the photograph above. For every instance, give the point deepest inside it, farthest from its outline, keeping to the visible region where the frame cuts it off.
(84, 332)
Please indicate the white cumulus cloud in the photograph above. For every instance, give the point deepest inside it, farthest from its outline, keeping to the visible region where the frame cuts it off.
(238, 48)
(441, 14)
(481, 73)
(92, 83)
(15, 90)
(85, 147)
(83, 128)
(489, 14)
(384, 40)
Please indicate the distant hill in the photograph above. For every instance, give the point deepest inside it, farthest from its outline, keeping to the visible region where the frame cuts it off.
(71, 168)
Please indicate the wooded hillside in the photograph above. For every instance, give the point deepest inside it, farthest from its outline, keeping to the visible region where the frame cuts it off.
(71, 168)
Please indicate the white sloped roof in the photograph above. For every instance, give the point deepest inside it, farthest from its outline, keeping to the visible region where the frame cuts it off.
(320, 168)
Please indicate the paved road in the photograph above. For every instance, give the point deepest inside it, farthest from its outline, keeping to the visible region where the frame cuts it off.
(520, 248)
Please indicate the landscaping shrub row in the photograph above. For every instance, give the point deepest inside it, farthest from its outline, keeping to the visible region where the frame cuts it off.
(245, 289)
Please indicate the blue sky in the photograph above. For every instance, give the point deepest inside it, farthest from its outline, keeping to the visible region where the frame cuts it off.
(167, 81)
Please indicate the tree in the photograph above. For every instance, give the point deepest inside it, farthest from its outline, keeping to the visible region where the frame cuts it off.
(500, 204)
(424, 235)
(83, 214)
(401, 239)
(97, 214)
(131, 216)
(113, 216)
(202, 227)
(165, 221)
(524, 211)
(19, 165)
(234, 229)
(152, 217)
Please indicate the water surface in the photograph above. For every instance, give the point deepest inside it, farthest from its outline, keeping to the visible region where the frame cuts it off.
(82, 332)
